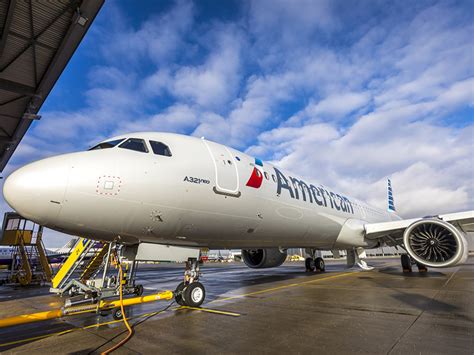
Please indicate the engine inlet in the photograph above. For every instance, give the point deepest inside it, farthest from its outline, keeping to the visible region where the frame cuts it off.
(433, 242)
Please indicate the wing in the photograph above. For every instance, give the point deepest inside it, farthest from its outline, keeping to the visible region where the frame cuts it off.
(392, 232)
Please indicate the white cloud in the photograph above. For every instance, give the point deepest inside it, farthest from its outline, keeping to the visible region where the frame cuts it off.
(418, 156)
(213, 127)
(157, 83)
(213, 83)
(178, 118)
(157, 39)
(288, 23)
(338, 105)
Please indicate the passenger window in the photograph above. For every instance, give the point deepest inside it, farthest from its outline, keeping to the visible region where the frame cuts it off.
(134, 144)
(160, 148)
(105, 145)
(266, 175)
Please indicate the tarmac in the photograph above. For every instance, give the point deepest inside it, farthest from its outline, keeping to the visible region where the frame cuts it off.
(279, 310)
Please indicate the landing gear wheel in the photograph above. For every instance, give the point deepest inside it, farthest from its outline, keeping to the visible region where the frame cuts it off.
(309, 264)
(406, 262)
(104, 313)
(138, 290)
(117, 313)
(194, 294)
(319, 264)
(421, 267)
(178, 294)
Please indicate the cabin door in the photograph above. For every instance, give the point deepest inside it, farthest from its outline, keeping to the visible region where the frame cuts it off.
(227, 175)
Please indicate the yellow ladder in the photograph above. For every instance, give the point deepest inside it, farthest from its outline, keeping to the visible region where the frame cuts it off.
(95, 263)
(24, 275)
(48, 273)
(80, 249)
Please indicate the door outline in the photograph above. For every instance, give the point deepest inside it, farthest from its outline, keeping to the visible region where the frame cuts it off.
(218, 189)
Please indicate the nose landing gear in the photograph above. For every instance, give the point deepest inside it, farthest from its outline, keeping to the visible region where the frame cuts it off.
(190, 292)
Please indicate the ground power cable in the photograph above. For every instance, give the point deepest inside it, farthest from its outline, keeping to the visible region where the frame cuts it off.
(124, 317)
(134, 325)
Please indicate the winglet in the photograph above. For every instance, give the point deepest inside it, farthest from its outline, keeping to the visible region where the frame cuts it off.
(391, 204)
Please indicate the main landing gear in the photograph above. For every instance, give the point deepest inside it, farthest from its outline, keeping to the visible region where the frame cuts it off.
(408, 262)
(315, 264)
(190, 292)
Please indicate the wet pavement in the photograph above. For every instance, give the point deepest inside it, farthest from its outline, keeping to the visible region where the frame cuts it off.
(276, 310)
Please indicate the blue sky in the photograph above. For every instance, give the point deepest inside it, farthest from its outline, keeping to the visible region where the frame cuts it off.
(345, 93)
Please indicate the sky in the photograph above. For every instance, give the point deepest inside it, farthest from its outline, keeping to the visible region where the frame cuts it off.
(344, 93)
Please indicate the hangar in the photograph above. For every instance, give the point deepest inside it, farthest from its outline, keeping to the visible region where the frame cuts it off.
(37, 40)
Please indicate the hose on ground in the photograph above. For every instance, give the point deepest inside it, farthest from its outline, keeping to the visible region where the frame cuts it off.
(124, 317)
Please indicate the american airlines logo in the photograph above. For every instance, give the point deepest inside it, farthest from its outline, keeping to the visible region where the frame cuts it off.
(256, 178)
(309, 193)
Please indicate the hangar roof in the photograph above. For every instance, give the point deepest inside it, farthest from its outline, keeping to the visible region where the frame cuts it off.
(37, 39)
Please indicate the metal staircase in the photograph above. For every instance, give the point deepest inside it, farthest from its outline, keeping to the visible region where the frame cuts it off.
(90, 274)
(79, 256)
(29, 258)
(95, 264)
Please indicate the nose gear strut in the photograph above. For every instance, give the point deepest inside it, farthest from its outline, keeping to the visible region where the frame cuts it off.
(190, 292)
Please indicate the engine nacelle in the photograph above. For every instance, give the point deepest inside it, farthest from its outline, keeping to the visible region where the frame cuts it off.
(435, 243)
(263, 258)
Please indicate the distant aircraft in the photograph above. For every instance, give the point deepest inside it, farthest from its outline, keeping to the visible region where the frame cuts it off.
(178, 190)
(5, 256)
(223, 255)
(54, 255)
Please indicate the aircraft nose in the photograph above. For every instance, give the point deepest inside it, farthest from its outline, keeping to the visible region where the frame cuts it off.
(36, 191)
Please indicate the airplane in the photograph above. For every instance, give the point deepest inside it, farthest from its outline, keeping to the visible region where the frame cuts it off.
(54, 255)
(186, 191)
(5, 256)
(223, 255)
(67, 248)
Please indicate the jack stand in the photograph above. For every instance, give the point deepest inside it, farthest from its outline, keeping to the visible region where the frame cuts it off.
(355, 259)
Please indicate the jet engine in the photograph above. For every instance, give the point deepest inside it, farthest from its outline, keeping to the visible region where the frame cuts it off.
(263, 258)
(435, 243)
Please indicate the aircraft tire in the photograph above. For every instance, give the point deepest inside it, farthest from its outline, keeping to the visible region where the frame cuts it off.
(178, 294)
(194, 294)
(138, 290)
(406, 263)
(309, 264)
(117, 313)
(104, 313)
(319, 264)
(421, 267)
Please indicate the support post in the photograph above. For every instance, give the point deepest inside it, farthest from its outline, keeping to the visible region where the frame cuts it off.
(356, 259)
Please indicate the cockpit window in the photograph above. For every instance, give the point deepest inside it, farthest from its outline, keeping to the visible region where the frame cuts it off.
(105, 145)
(134, 144)
(160, 148)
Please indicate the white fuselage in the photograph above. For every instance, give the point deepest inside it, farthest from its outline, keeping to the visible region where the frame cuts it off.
(199, 196)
